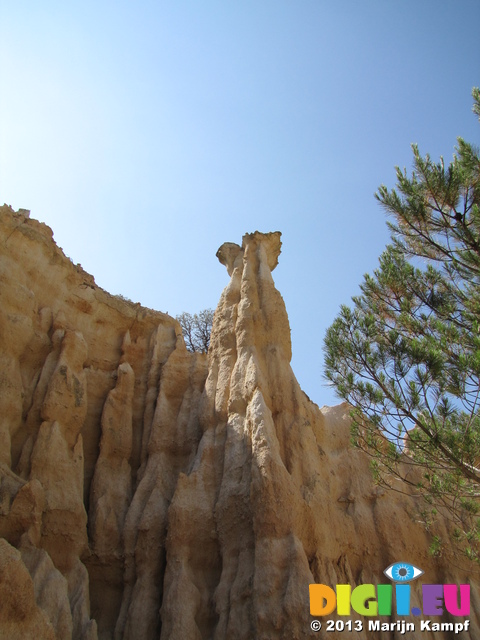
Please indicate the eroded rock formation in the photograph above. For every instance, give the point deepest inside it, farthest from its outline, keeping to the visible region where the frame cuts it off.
(147, 492)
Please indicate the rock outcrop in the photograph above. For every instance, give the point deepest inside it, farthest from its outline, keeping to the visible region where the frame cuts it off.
(148, 492)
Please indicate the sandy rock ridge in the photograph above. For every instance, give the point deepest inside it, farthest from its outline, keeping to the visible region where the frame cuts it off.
(147, 492)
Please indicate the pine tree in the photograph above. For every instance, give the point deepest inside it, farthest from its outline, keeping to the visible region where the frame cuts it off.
(406, 355)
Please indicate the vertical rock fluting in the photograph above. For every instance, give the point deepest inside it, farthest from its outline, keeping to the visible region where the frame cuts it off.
(147, 492)
(98, 414)
(240, 507)
(275, 498)
(172, 442)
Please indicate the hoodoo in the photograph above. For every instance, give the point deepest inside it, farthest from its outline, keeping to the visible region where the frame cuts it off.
(148, 492)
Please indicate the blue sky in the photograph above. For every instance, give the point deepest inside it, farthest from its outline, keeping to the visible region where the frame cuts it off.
(146, 134)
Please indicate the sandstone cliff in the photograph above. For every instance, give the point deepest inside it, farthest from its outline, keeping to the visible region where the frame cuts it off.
(148, 492)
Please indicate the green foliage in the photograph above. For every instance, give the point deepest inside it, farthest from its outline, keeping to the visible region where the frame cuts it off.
(435, 547)
(406, 355)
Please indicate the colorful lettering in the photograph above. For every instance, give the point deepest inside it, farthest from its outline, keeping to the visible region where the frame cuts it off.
(322, 600)
(432, 599)
(384, 597)
(402, 596)
(368, 601)
(343, 599)
(363, 600)
(451, 599)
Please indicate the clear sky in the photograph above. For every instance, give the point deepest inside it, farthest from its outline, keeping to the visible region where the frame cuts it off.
(147, 133)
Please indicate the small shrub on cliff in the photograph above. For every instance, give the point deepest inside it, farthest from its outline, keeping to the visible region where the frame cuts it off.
(196, 329)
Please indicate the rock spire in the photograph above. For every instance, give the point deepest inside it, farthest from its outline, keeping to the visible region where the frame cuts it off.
(148, 492)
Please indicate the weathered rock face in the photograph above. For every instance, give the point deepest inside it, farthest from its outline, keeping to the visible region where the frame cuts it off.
(148, 492)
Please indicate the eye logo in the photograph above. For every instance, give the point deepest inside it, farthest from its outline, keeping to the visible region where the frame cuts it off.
(402, 572)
